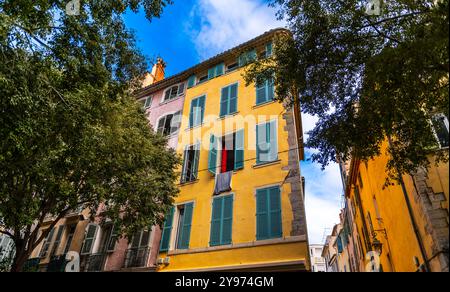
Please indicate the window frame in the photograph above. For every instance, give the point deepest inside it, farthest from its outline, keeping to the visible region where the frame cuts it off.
(228, 112)
(165, 115)
(258, 161)
(178, 94)
(446, 124)
(194, 172)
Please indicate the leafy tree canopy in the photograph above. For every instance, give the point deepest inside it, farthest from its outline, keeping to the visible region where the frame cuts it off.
(71, 133)
(366, 76)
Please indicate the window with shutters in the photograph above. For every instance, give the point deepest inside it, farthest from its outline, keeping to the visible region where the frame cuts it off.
(265, 91)
(221, 221)
(216, 71)
(266, 142)
(177, 226)
(247, 57)
(190, 163)
(228, 100)
(226, 152)
(183, 231)
(169, 124)
(203, 78)
(232, 66)
(167, 230)
(173, 92)
(57, 241)
(147, 102)
(46, 244)
(70, 232)
(441, 129)
(197, 111)
(89, 239)
(268, 213)
(191, 81)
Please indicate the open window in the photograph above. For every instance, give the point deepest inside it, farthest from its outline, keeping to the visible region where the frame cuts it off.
(226, 152)
(70, 232)
(89, 239)
(190, 163)
(176, 231)
(169, 124)
(46, 244)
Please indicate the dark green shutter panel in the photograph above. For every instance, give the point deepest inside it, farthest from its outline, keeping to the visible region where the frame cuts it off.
(220, 69)
(227, 219)
(233, 99)
(191, 81)
(270, 89)
(167, 229)
(192, 113)
(211, 73)
(212, 159)
(224, 101)
(216, 217)
(273, 141)
(251, 56)
(261, 92)
(262, 147)
(185, 162)
(262, 216)
(186, 227)
(196, 158)
(275, 212)
(201, 105)
(239, 150)
(269, 50)
(241, 59)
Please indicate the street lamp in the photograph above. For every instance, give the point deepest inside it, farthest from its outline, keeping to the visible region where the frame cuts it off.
(376, 244)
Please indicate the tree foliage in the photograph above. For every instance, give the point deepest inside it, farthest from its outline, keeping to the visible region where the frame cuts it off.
(365, 76)
(71, 132)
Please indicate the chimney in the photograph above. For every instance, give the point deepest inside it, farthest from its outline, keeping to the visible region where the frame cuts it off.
(157, 73)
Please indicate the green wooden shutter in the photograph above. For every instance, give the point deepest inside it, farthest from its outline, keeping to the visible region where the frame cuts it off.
(196, 158)
(201, 108)
(261, 96)
(212, 159)
(224, 101)
(251, 56)
(269, 49)
(220, 69)
(167, 229)
(270, 89)
(227, 219)
(262, 147)
(185, 162)
(191, 81)
(262, 215)
(239, 150)
(233, 96)
(275, 212)
(192, 113)
(211, 72)
(216, 221)
(185, 232)
(272, 135)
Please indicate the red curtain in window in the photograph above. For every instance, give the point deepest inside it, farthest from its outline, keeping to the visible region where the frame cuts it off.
(223, 163)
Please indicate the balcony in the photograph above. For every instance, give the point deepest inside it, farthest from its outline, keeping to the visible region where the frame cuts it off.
(137, 257)
(57, 264)
(95, 262)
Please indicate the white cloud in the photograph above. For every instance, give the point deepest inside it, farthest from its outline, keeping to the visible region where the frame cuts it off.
(323, 198)
(218, 25)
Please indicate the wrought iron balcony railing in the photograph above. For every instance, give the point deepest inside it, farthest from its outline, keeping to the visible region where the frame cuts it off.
(95, 262)
(137, 257)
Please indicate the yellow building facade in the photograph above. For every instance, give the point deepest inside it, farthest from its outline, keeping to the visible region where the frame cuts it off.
(241, 201)
(407, 222)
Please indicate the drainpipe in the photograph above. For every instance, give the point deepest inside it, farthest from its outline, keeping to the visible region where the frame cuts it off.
(411, 216)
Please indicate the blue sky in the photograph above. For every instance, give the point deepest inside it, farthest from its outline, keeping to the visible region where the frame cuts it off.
(191, 31)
